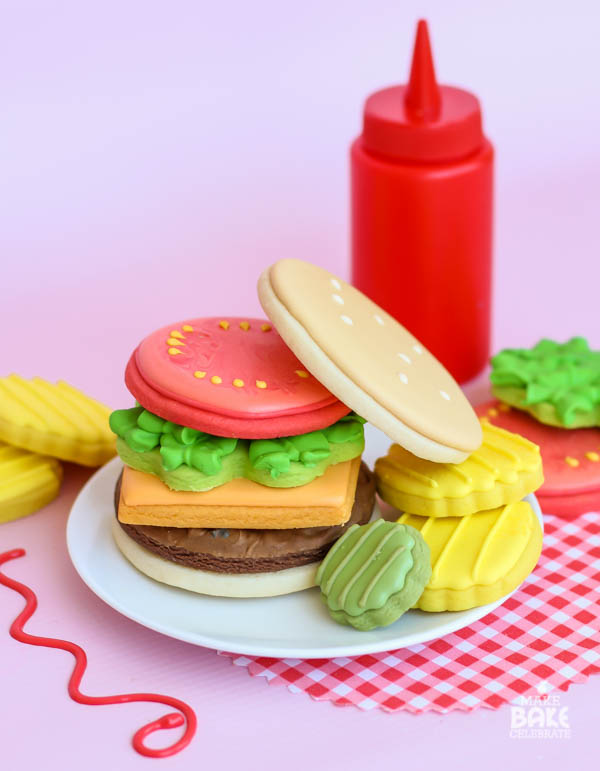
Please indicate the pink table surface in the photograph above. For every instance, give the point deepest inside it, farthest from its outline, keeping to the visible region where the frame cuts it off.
(155, 164)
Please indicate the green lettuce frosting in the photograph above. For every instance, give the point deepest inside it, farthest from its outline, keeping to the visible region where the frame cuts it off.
(558, 383)
(186, 459)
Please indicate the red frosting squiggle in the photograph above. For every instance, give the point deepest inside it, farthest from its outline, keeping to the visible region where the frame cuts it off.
(185, 715)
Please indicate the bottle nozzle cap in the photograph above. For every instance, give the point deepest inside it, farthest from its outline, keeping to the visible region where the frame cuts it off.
(422, 121)
(422, 98)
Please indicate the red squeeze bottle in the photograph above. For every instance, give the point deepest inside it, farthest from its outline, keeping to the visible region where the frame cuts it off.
(422, 179)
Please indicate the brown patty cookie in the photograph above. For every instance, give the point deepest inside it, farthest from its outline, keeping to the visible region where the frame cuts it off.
(250, 551)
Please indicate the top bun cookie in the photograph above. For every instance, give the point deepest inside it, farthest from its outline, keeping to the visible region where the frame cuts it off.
(229, 376)
(369, 361)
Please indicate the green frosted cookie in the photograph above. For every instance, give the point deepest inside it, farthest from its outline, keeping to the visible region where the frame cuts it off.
(186, 459)
(374, 573)
(558, 383)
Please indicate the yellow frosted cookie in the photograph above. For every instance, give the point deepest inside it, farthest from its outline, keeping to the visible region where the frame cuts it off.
(55, 419)
(504, 469)
(27, 482)
(479, 558)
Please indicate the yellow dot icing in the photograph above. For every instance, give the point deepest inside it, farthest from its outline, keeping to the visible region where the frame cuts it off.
(301, 373)
(266, 327)
(224, 324)
(238, 383)
(174, 341)
(173, 351)
(216, 379)
(593, 456)
(176, 333)
(244, 325)
(187, 328)
(261, 384)
(573, 462)
(199, 374)
(504, 469)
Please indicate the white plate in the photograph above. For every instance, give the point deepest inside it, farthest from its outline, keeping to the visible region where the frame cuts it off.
(293, 626)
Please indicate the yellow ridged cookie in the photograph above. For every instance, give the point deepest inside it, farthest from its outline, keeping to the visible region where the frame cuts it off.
(55, 419)
(27, 482)
(503, 470)
(479, 558)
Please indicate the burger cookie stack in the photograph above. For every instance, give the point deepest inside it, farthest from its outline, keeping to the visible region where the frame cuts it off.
(243, 452)
(241, 468)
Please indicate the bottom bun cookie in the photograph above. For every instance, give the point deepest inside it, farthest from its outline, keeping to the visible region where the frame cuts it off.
(216, 584)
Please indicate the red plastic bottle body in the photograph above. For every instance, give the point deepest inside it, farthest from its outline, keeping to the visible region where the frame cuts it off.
(422, 249)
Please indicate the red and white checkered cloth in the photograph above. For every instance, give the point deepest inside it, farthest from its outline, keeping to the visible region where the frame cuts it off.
(546, 636)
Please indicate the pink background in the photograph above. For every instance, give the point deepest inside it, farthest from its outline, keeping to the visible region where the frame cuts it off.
(155, 157)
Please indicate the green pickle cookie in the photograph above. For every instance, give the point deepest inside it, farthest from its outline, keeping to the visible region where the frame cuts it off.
(374, 573)
(557, 383)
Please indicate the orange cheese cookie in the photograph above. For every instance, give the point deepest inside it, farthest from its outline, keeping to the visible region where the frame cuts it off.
(503, 470)
(328, 500)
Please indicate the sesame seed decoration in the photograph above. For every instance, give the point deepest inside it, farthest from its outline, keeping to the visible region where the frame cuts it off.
(174, 341)
(378, 319)
(177, 333)
(173, 351)
(238, 383)
(244, 325)
(593, 456)
(224, 325)
(200, 374)
(336, 284)
(573, 462)
(504, 407)
(265, 327)
(403, 378)
(347, 320)
(337, 299)
(302, 373)
(187, 328)
(261, 384)
(405, 358)
(216, 380)
(445, 396)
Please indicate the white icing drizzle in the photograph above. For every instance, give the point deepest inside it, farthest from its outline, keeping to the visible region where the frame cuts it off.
(373, 582)
(378, 547)
(331, 580)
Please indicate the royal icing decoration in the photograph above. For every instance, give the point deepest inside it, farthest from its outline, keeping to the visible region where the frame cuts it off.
(184, 716)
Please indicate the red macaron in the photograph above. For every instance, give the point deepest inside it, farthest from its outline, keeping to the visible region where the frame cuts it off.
(571, 459)
(229, 376)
